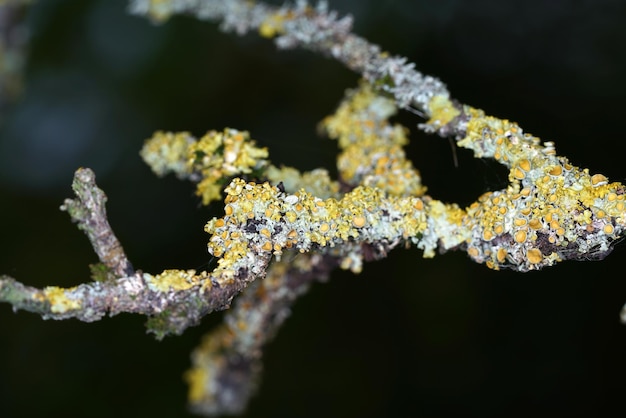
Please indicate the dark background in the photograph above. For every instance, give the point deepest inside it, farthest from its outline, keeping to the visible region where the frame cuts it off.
(407, 337)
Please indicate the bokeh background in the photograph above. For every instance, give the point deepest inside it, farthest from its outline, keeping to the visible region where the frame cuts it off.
(409, 336)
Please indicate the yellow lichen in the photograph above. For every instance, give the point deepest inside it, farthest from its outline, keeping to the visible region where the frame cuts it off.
(534, 256)
(59, 300)
(273, 25)
(372, 153)
(196, 378)
(177, 280)
(441, 111)
(214, 158)
(547, 197)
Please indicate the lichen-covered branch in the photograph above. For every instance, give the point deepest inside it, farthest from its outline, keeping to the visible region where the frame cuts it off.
(174, 299)
(228, 363)
(309, 223)
(317, 29)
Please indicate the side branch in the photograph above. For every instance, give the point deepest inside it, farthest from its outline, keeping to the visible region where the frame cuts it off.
(174, 299)
(227, 365)
(89, 212)
(316, 29)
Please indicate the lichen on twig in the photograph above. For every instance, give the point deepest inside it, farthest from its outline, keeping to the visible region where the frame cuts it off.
(309, 223)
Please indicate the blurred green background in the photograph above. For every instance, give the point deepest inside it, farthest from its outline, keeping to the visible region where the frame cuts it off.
(407, 337)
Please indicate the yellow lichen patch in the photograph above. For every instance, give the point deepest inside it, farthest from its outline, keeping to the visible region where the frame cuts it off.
(488, 136)
(518, 173)
(473, 252)
(372, 153)
(534, 256)
(363, 213)
(520, 236)
(291, 216)
(176, 280)
(59, 301)
(557, 170)
(524, 164)
(598, 180)
(501, 255)
(441, 111)
(274, 24)
(213, 158)
(219, 155)
(358, 221)
(196, 378)
(519, 221)
(554, 224)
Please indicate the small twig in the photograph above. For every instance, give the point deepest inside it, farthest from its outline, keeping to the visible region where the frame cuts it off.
(89, 212)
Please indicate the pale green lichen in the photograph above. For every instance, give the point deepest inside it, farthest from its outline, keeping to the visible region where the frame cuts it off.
(274, 24)
(101, 273)
(168, 152)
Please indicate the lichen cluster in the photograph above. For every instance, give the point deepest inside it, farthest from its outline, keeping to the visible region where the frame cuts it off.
(551, 210)
(262, 217)
(372, 153)
(309, 223)
(238, 342)
(213, 158)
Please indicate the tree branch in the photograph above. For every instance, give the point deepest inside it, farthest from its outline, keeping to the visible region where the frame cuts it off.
(226, 367)
(89, 212)
(550, 211)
